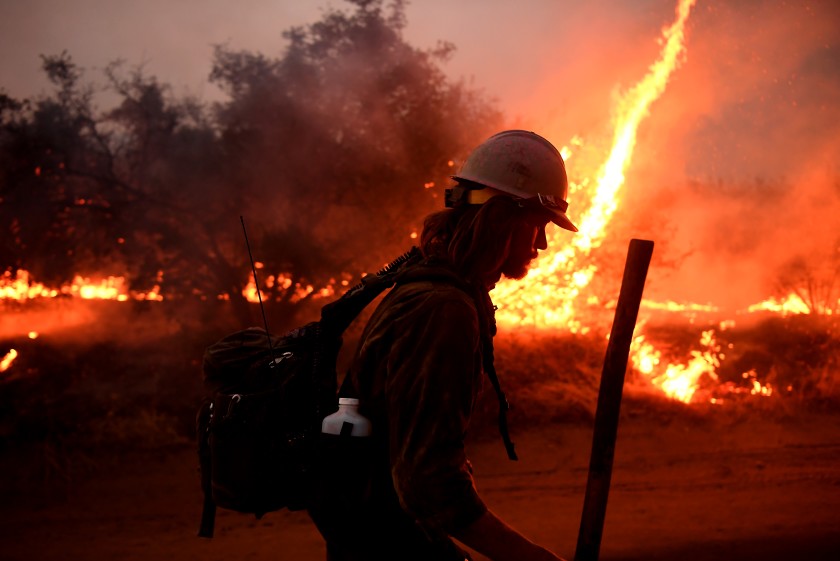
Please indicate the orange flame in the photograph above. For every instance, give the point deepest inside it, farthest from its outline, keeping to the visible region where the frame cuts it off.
(683, 381)
(282, 284)
(790, 305)
(8, 360)
(678, 381)
(21, 287)
(546, 296)
(757, 388)
(671, 306)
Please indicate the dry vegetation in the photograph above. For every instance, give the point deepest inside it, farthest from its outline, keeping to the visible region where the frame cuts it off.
(99, 418)
(133, 381)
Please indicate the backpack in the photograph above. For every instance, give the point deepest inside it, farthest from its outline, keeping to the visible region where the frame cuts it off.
(257, 431)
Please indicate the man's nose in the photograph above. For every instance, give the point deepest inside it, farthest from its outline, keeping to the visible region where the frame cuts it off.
(541, 242)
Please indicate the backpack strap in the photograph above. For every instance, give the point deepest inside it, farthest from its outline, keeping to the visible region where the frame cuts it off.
(486, 312)
(208, 512)
(337, 316)
(434, 270)
(504, 405)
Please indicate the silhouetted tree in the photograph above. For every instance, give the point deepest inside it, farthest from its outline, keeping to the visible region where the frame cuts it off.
(814, 278)
(343, 136)
(134, 189)
(52, 219)
(334, 152)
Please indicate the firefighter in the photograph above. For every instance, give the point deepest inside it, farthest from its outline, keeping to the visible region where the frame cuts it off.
(421, 363)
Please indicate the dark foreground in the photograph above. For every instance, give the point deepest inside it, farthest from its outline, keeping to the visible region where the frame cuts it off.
(684, 488)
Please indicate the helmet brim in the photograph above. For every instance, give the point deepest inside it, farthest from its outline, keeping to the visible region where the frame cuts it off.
(549, 204)
(562, 220)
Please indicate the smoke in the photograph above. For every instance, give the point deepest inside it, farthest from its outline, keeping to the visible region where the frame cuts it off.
(736, 169)
(741, 154)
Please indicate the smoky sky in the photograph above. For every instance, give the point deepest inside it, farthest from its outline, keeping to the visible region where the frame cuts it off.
(736, 165)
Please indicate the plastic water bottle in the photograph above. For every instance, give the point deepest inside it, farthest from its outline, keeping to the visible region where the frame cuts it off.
(346, 421)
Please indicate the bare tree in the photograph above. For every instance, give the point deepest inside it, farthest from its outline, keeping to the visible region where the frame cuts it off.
(815, 279)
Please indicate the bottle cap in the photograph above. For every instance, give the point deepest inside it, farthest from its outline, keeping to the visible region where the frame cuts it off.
(348, 401)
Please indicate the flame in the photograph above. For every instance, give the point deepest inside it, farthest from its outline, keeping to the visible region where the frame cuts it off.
(110, 288)
(283, 284)
(757, 388)
(546, 296)
(21, 287)
(8, 360)
(791, 304)
(678, 381)
(671, 306)
(683, 381)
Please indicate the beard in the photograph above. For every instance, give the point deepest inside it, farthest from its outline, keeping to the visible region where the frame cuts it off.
(516, 266)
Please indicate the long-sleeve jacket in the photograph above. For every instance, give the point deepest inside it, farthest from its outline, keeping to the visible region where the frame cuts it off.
(417, 373)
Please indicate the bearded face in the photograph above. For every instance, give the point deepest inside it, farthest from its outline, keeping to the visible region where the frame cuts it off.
(527, 239)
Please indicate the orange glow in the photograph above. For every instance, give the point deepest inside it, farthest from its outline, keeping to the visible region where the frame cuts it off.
(678, 381)
(545, 298)
(8, 360)
(282, 284)
(111, 288)
(757, 388)
(671, 306)
(790, 305)
(556, 294)
(21, 287)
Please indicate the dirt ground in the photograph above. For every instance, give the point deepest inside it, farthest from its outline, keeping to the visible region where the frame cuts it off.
(687, 488)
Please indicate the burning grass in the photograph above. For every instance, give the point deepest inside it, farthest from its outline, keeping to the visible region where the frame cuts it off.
(787, 358)
(101, 389)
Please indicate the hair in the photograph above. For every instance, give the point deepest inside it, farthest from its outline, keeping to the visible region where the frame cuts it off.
(475, 239)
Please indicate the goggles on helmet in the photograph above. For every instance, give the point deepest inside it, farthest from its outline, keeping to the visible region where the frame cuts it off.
(480, 195)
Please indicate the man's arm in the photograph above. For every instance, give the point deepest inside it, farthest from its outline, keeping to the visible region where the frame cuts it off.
(491, 537)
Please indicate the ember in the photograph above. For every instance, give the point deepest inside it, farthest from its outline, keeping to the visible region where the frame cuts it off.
(8, 360)
(283, 287)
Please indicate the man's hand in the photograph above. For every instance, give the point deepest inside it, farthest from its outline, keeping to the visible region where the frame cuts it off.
(491, 537)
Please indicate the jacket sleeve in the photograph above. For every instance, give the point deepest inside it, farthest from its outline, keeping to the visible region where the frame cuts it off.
(433, 375)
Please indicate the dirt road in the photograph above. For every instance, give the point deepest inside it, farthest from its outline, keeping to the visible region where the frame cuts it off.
(688, 488)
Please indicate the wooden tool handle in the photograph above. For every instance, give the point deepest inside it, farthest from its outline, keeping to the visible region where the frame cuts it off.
(609, 400)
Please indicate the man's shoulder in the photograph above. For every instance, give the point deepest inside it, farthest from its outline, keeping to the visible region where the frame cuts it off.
(435, 273)
(433, 290)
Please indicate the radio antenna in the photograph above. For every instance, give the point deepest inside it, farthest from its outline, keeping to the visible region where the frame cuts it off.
(259, 294)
